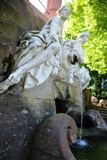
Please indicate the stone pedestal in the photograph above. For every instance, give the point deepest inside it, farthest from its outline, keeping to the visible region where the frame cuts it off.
(20, 116)
(40, 99)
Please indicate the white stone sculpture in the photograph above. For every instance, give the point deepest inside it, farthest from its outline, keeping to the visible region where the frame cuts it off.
(73, 55)
(40, 53)
(72, 79)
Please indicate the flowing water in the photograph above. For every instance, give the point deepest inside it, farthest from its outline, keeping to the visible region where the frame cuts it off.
(95, 148)
(81, 127)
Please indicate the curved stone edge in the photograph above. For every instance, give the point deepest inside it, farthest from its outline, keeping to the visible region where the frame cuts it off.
(52, 139)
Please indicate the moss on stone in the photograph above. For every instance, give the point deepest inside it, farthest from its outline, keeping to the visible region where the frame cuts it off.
(8, 30)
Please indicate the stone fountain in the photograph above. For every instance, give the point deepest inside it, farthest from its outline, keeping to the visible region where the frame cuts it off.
(44, 69)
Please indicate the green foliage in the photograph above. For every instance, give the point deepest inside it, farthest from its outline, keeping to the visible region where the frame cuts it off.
(103, 95)
(98, 85)
(90, 15)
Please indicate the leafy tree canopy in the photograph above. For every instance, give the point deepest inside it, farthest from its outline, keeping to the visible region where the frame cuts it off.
(90, 15)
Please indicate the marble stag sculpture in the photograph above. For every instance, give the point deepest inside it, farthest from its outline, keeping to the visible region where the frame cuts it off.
(71, 78)
(39, 48)
(78, 53)
(72, 55)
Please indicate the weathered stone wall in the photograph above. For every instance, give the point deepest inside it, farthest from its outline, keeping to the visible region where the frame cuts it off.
(16, 19)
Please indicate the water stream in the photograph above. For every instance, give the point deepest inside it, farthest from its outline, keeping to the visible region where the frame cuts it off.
(80, 136)
(81, 141)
